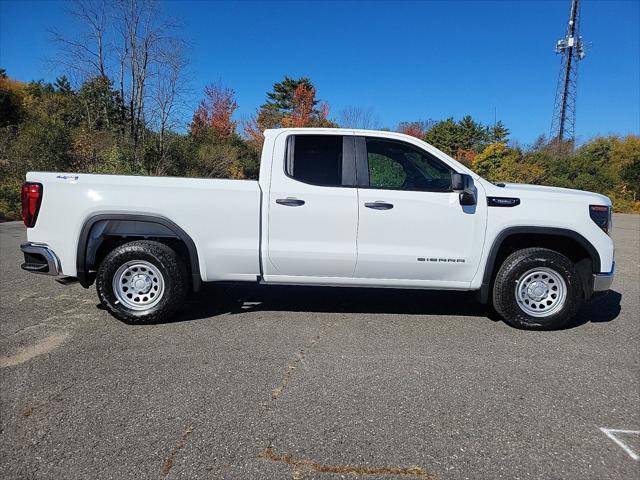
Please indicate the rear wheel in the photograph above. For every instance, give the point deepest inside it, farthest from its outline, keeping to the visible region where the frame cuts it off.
(537, 288)
(142, 282)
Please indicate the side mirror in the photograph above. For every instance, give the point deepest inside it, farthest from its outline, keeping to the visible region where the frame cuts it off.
(463, 184)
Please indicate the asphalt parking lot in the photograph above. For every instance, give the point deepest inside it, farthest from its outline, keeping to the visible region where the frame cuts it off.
(316, 384)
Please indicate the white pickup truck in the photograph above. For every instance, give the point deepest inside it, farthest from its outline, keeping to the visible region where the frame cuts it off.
(333, 207)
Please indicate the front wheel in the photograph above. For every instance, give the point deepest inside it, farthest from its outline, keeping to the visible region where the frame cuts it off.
(537, 288)
(142, 282)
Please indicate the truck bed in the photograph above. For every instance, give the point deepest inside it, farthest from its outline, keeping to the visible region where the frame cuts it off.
(221, 216)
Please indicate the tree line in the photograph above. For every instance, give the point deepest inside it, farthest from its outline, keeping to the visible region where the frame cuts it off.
(119, 109)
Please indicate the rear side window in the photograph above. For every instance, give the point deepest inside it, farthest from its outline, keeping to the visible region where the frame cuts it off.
(315, 159)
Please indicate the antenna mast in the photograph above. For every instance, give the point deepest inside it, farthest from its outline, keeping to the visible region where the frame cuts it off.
(571, 47)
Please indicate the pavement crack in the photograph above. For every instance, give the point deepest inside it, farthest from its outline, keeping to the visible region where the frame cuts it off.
(170, 460)
(291, 367)
(40, 404)
(301, 465)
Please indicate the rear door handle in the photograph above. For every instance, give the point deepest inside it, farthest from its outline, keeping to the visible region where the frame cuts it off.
(290, 202)
(379, 205)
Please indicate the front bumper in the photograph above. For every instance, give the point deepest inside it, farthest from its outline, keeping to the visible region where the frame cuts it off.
(39, 258)
(602, 281)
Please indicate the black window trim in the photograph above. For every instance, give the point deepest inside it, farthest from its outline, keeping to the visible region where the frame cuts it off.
(362, 164)
(349, 168)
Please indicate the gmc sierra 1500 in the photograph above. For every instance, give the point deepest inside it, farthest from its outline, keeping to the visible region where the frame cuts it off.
(332, 207)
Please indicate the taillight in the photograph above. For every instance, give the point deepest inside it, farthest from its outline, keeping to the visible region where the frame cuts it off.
(31, 200)
(601, 215)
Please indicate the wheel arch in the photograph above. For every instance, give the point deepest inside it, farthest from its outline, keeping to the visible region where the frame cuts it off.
(98, 228)
(565, 241)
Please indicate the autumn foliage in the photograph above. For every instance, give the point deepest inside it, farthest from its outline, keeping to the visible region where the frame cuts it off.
(304, 99)
(291, 104)
(415, 129)
(465, 157)
(215, 112)
(254, 131)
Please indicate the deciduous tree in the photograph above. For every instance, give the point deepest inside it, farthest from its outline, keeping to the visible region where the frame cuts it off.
(304, 99)
(359, 117)
(135, 44)
(215, 112)
(417, 129)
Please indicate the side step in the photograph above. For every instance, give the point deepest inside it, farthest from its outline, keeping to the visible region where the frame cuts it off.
(66, 280)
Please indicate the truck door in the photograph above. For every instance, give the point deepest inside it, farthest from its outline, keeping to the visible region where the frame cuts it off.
(411, 224)
(313, 207)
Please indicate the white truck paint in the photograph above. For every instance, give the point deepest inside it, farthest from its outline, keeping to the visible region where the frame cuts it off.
(241, 233)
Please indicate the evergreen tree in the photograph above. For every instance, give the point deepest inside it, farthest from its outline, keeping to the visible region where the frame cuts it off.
(290, 103)
(444, 135)
(282, 97)
(102, 106)
(499, 133)
(62, 85)
(471, 135)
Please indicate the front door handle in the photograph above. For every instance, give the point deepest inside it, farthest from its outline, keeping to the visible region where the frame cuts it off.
(379, 205)
(290, 202)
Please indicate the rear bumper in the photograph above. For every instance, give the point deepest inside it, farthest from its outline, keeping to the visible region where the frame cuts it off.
(40, 259)
(602, 281)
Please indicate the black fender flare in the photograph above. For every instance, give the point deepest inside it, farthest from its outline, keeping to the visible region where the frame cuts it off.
(507, 232)
(134, 224)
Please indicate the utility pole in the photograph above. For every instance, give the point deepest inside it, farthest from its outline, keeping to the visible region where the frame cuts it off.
(571, 47)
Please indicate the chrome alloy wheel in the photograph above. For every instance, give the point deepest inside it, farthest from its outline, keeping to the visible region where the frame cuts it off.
(138, 285)
(541, 292)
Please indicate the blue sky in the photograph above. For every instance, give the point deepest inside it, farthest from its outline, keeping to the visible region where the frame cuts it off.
(406, 60)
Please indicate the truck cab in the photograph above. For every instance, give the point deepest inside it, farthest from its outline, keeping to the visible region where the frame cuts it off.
(352, 208)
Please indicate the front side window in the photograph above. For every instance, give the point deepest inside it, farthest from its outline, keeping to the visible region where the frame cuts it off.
(315, 159)
(399, 166)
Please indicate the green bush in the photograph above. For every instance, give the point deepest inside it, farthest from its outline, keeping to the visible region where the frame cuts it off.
(10, 199)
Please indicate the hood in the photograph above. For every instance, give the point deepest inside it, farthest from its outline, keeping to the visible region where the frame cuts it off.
(541, 191)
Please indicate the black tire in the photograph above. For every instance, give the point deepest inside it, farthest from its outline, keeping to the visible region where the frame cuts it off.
(174, 280)
(518, 266)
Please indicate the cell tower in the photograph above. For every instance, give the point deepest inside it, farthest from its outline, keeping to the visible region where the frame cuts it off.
(571, 47)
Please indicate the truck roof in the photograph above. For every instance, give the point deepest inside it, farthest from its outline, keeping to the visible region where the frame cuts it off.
(336, 131)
